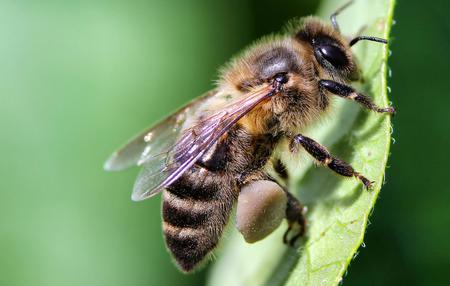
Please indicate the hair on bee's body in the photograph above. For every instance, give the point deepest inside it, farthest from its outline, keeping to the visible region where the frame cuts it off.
(240, 156)
(197, 206)
(226, 141)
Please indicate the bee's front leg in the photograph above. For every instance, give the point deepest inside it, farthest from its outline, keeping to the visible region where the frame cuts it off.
(348, 92)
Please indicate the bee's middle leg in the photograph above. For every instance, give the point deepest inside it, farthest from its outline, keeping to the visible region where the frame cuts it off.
(324, 157)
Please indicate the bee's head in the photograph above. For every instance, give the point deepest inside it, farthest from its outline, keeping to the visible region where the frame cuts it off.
(331, 50)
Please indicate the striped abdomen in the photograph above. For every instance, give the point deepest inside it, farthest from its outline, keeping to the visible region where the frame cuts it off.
(195, 211)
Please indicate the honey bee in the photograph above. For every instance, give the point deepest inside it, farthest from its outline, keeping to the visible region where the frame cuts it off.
(220, 145)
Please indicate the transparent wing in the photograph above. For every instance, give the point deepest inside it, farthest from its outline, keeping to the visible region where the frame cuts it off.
(154, 141)
(193, 143)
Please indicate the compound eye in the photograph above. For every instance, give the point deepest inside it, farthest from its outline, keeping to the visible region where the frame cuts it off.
(334, 55)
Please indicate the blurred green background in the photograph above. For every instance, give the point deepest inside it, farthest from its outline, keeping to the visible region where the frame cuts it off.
(78, 78)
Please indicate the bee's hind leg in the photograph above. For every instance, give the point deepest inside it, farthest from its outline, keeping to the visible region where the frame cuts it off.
(295, 215)
(259, 193)
(295, 211)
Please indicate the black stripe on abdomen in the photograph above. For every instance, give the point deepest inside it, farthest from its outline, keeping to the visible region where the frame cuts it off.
(187, 228)
(194, 216)
(184, 212)
(188, 246)
(196, 189)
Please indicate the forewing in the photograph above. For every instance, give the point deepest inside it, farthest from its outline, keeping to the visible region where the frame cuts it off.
(194, 142)
(154, 141)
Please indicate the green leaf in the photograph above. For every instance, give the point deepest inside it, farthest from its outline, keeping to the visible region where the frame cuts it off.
(338, 209)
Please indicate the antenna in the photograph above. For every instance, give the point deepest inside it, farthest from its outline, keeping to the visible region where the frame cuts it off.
(367, 38)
